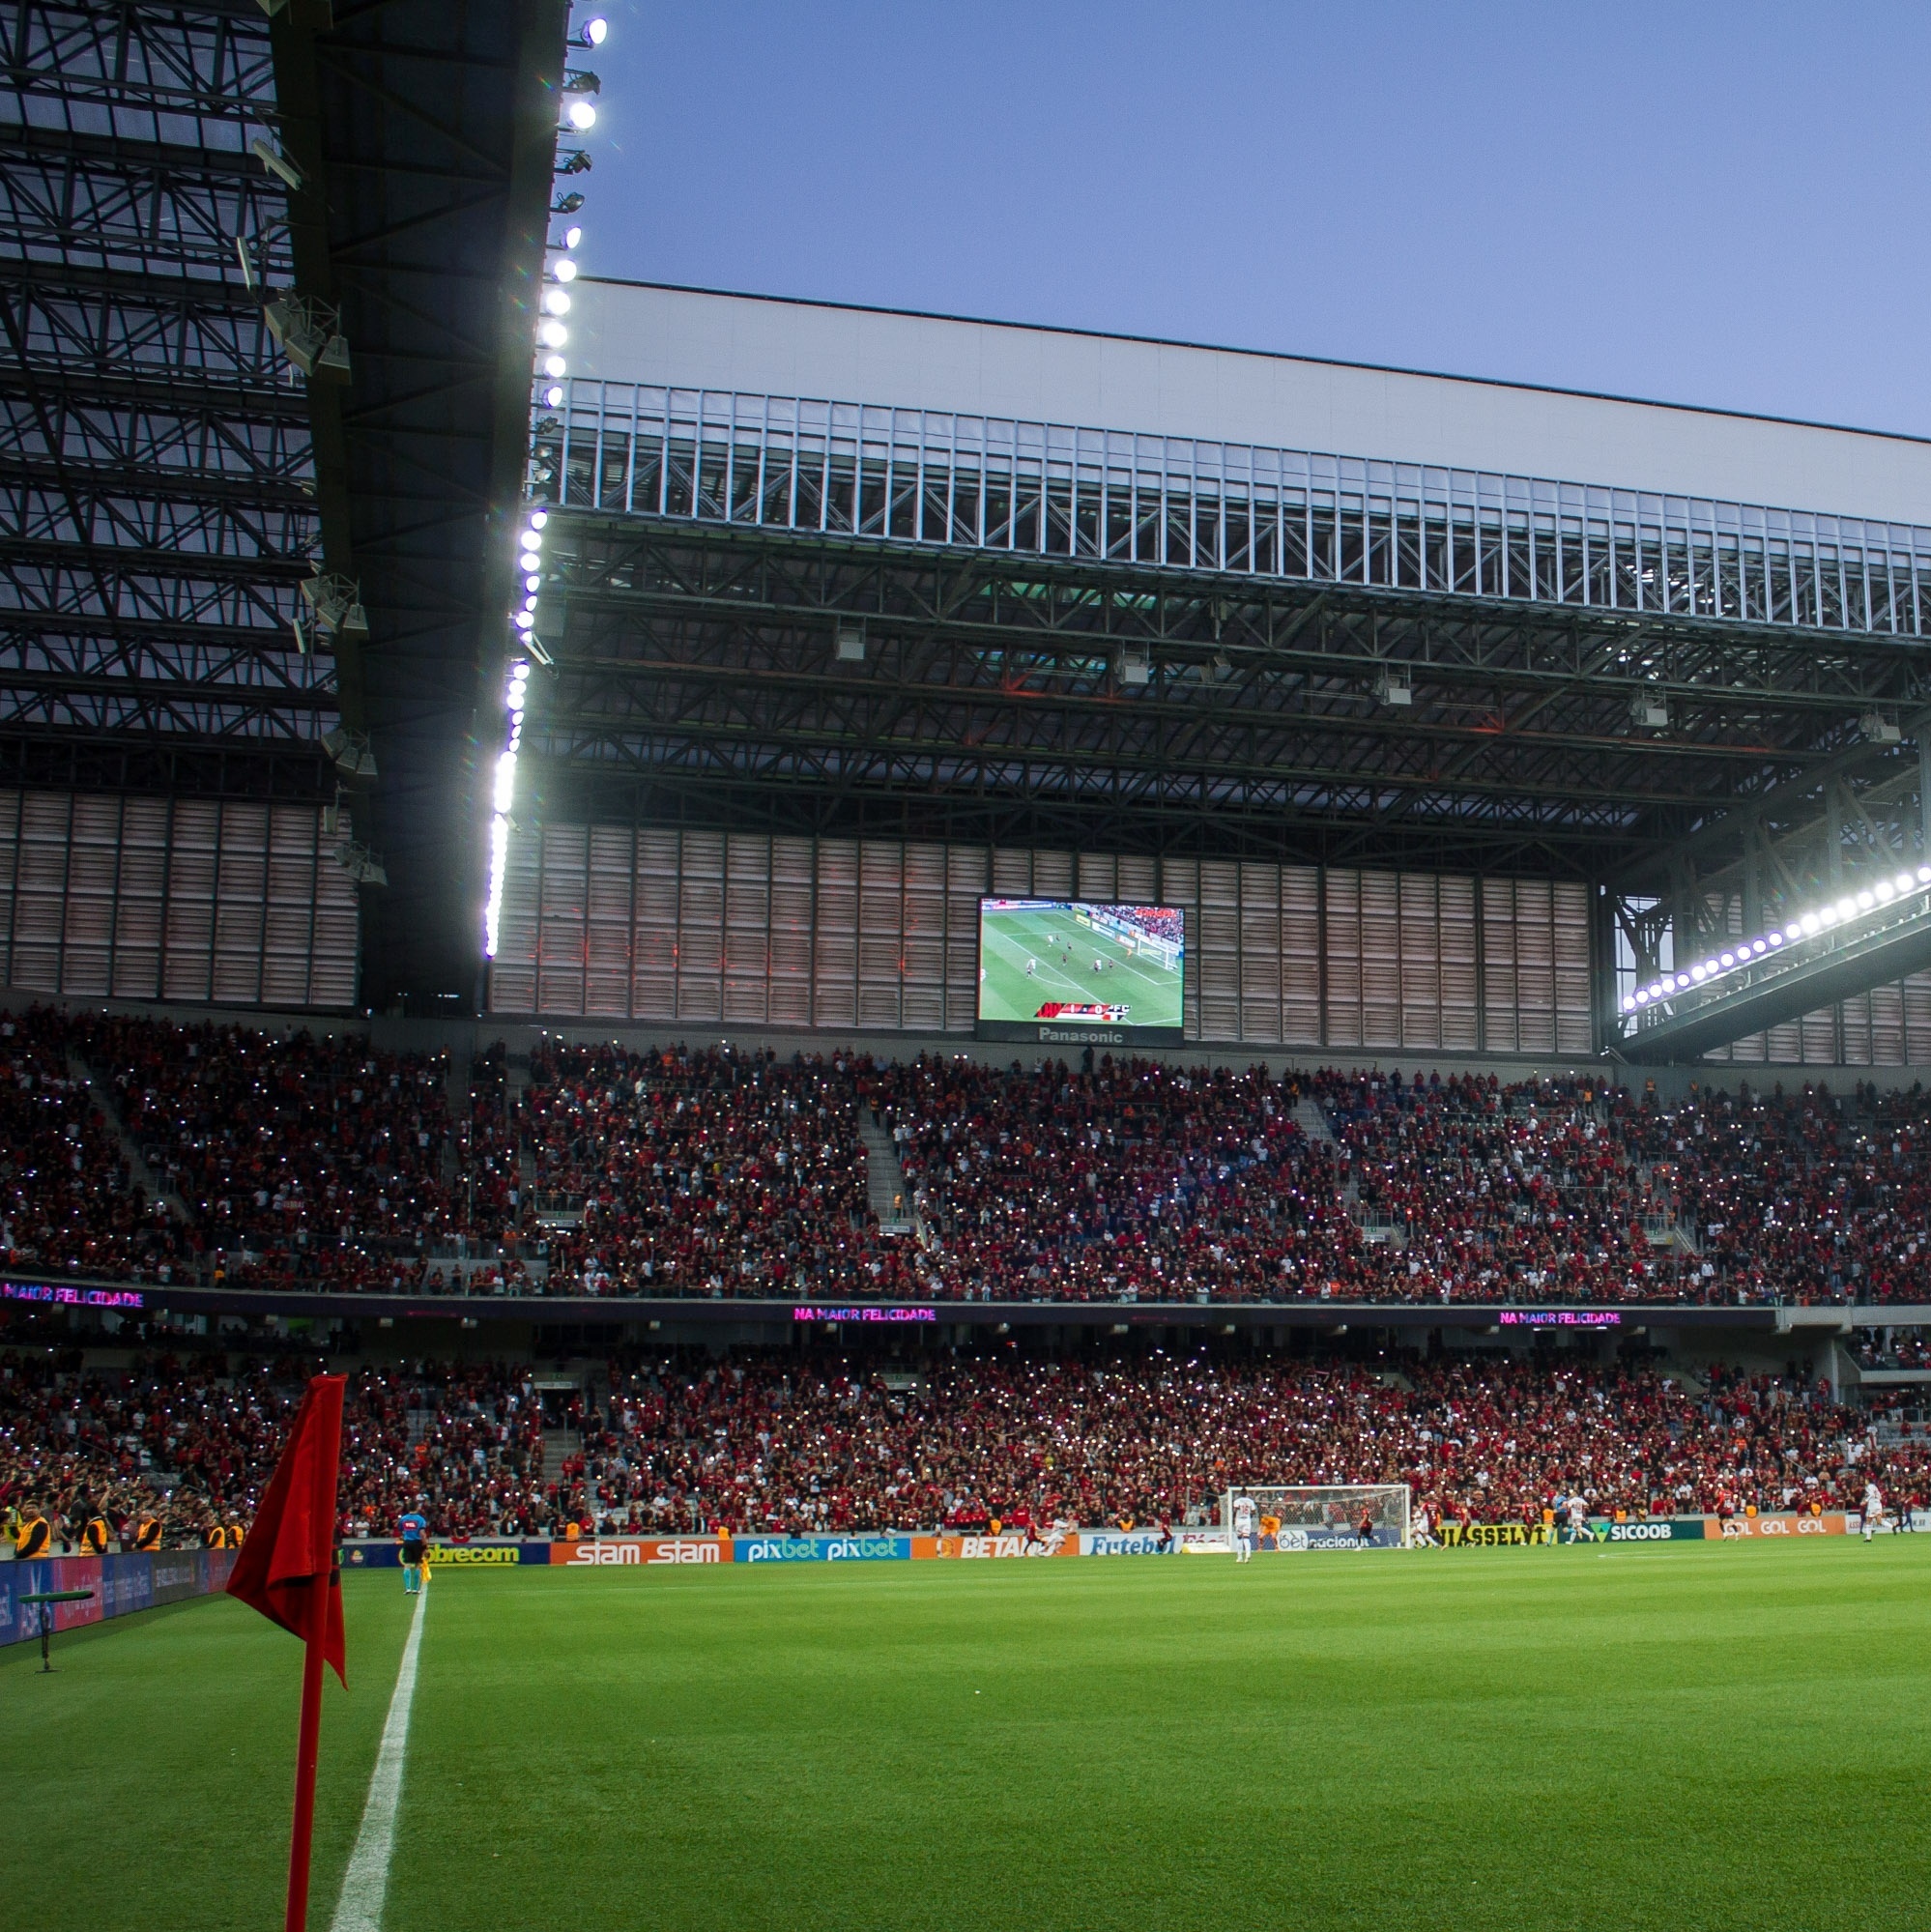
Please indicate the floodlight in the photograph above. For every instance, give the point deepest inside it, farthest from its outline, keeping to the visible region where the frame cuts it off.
(581, 116)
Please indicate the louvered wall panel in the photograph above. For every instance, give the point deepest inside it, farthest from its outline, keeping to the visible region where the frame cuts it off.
(1380, 959)
(1570, 1012)
(747, 930)
(1301, 969)
(1460, 994)
(143, 892)
(701, 929)
(565, 887)
(922, 986)
(195, 900)
(791, 914)
(1917, 1019)
(967, 880)
(880, 927)
(1855, 1030)
(835, 965)
(609, 919)
(1215, 949)
(289, 916)
(1343, 958)
(188, 959)
(1260, 954)
(241, 885)
(1501, 1030)
(653, 938)
(1421, 961)
(87, 930)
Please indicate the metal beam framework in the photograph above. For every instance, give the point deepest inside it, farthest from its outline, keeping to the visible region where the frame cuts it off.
(1781, 990)
(157, 496)
(999, 696)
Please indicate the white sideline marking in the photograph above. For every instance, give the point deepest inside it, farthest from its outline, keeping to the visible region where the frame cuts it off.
(365, 1884)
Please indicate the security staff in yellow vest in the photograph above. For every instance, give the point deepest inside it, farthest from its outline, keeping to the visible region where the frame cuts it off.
(94, 1537)
(34, 1536)
(214, 1536)
(148, 1533)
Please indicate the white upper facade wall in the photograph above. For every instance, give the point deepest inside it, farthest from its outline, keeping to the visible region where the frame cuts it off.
(689, 340)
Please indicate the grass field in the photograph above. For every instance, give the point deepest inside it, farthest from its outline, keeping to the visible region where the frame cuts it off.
(1670, 1738)
(1062, 951)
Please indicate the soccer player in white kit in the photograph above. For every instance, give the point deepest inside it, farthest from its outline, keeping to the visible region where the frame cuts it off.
(1873, 1508)
(1244, 1514)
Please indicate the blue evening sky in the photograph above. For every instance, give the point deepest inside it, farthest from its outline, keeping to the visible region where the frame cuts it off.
(1716, 204)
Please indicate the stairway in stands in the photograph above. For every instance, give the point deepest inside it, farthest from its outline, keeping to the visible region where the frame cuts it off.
(884, 1179)
(144, 1177)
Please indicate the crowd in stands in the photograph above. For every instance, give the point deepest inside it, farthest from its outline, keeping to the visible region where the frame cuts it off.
(773, 1446)
(797, 1444)
(192, 1441)
(67, 1201)
(709, 1173)
(304, 1160)
(313, 1155)
(1128, 1181)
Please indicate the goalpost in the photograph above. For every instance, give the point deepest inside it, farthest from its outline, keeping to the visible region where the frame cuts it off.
(1322, 1515)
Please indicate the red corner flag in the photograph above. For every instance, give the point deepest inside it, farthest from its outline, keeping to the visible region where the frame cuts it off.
(287, 1571)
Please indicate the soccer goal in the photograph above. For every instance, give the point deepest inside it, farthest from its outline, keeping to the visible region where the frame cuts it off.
(1321, 1515)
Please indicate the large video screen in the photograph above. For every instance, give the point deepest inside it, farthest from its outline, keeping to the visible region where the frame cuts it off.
(1069, 972)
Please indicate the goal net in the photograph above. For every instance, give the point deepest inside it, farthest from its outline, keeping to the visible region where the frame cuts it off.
(1322, 1515)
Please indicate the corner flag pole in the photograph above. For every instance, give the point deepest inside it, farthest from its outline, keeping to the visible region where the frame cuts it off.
(287, 1571)
(308, 1753)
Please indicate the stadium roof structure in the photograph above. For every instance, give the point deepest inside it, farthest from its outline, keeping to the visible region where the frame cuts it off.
(270, 279)
(266, 280)
(892, 609)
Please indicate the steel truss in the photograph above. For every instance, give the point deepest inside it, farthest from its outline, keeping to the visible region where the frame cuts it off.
(698, 668)
(157, 493)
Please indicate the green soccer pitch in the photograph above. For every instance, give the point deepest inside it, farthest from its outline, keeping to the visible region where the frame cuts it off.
(1663, 1738)
(1063, 951)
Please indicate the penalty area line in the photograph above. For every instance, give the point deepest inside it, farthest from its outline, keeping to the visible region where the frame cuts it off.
(366, 1883)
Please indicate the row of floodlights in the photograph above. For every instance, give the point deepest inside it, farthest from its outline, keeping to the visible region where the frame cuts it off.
(1842, 911)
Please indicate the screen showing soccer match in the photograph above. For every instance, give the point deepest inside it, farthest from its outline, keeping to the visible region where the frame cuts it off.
(1067, 971)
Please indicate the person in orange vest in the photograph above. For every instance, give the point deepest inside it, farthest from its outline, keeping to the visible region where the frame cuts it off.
(35, 1533)
(148, 1533)
(94, 1535)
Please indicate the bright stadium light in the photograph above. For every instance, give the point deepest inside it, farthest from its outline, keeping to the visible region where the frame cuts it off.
(581, 116)
(1881, 894)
